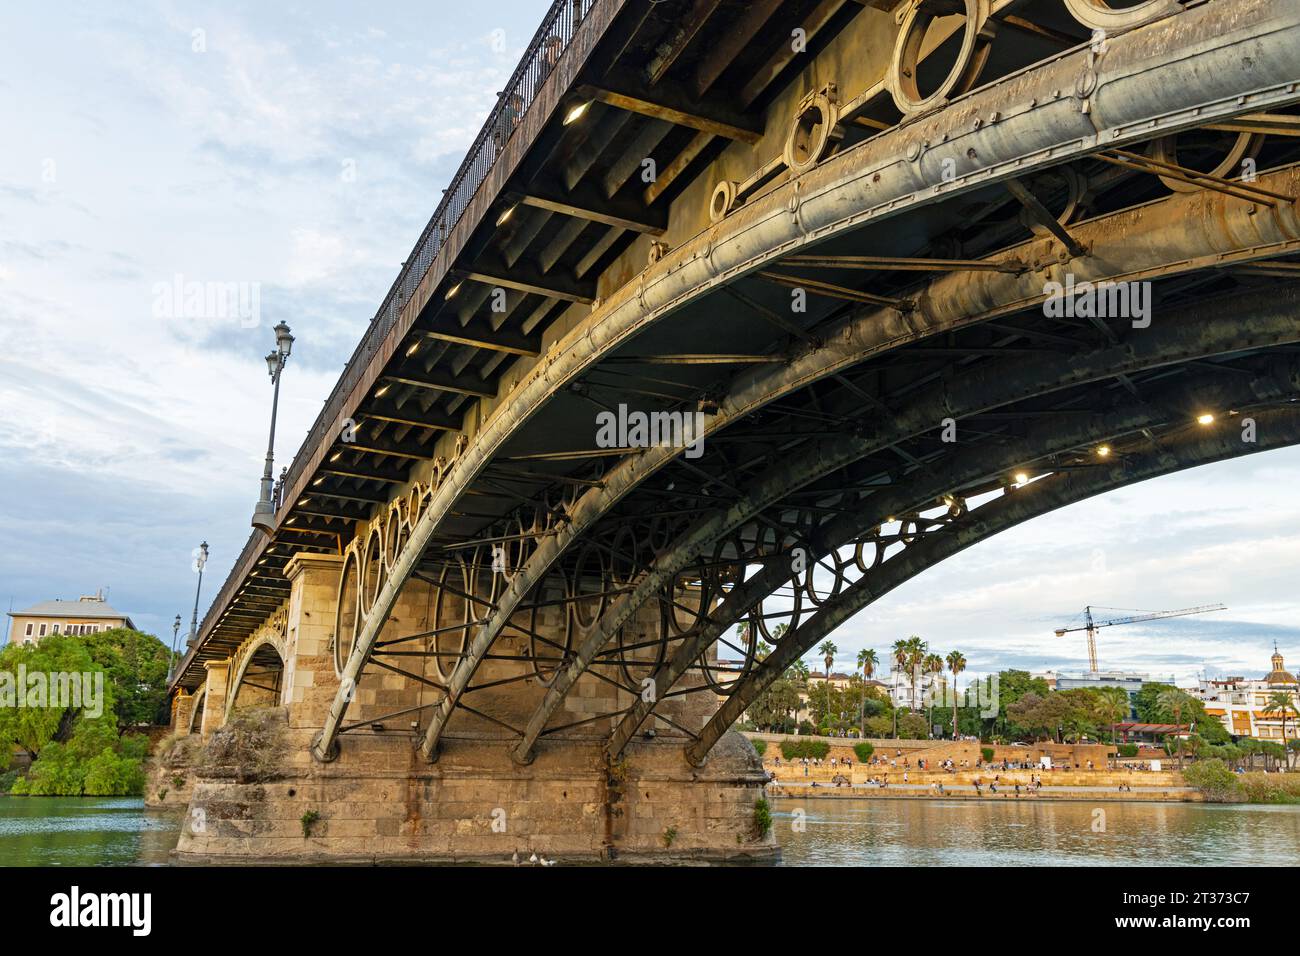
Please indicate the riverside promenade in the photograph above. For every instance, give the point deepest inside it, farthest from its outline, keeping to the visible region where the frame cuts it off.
(902, 769)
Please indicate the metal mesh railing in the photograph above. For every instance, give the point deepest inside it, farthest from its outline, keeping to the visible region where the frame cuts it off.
(549, 42)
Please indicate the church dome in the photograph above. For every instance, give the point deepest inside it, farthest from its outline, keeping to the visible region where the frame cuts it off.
(1279, 674)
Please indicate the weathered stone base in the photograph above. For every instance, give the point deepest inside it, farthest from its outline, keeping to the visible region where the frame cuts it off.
(170, 777)
(380, 802)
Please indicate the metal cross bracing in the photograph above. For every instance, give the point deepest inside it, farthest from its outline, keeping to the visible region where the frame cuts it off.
(980, 342)
(929, 286)
(1239, 383)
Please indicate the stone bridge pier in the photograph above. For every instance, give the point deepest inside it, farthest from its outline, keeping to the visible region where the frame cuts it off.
(381, 800)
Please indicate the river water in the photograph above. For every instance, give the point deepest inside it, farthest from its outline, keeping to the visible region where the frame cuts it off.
(84, 831)
(64, 831)
(924, 832)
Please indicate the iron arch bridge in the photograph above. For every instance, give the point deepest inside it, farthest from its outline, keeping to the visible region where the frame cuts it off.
(887, 278)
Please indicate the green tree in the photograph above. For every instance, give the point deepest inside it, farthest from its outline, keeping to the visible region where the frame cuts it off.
(775, 707)
(32, 728)
(136, 665)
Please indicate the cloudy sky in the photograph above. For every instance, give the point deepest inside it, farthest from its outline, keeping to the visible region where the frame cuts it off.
(297, 151)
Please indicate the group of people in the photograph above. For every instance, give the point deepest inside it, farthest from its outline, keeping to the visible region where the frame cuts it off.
(811, 763)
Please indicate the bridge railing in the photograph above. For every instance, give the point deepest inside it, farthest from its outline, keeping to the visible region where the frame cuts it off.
(549, 42)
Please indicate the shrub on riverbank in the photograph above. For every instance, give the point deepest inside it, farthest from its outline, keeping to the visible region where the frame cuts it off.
(1270, 787)
(812, 749)
(864, 751)
(760, 746)
(95, 762)
(1215, 781)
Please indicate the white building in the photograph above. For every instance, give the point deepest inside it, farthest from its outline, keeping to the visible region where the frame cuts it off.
(902, 682)
(1242, 705)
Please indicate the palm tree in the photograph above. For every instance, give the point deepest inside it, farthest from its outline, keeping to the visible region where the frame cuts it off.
(828, 651)
(867, 662)
(956, 664)
(899, 657)
(1174, 700)
(1114, 706)
(1281, 702)
(900, 661)
(915, 657)
(931, 664)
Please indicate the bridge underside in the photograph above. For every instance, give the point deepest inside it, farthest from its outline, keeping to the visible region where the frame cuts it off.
(935, 318)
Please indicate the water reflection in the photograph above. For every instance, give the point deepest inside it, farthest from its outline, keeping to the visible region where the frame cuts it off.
(839, 832)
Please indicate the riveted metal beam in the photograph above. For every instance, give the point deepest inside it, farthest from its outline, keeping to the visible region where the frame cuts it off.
(970, 469)
(989, 387)
(1279, 428)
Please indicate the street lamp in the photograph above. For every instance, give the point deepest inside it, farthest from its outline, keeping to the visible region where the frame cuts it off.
(176, 630)
(264, 510)
(200, 559)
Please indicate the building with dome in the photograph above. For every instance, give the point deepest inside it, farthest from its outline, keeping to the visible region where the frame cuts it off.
(1243, 705)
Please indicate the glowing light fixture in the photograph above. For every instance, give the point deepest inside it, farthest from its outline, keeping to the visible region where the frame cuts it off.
(1103, 451)
(1205, 419)
(505, 216)
(576, 113)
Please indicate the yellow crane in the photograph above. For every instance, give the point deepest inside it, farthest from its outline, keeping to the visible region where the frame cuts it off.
(1090, 624)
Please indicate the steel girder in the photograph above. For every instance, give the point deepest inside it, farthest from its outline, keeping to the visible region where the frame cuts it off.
(1184, 231)
(1231, 59)
(1278, 428)
(1214, 329)
(972, 467)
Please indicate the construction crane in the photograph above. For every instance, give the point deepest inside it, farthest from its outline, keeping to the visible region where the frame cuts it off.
(1090, 625)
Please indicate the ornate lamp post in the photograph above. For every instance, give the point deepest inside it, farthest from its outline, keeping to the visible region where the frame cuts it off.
(264, 510)
(200, 559)
(176, 630)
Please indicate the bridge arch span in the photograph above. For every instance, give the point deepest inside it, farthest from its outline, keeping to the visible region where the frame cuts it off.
(258, 676)
(868, 183)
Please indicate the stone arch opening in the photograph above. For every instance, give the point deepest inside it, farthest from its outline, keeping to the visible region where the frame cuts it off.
(196, 712)
(259, 681)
